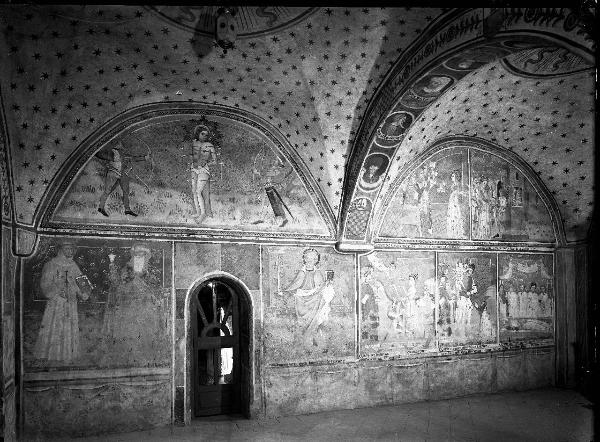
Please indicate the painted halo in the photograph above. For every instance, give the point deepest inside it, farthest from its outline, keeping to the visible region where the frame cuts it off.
(393, 129)
(373, 171)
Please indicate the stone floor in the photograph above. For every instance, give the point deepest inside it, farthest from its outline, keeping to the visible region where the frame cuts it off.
(538, 415)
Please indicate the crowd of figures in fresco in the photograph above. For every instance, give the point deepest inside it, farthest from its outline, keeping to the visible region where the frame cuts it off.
(465, 304)
(126, 307)
(198, 172)
(405, 309)
(453, 197)
(397, 302)
(526, 297)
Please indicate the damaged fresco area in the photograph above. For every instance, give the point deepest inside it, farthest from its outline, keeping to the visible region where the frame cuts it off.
(94, 304)
(397, 302)
(209, 173)
(308, 305)
(466, 305)
(526, 298)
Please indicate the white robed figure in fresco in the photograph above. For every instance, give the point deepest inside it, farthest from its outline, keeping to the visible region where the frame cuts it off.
(313, 293)
(454, 219)
(58, 338)
(412, 310)
(513, 303)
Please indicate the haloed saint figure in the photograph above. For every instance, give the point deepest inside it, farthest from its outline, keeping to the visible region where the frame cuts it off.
(203, 156)
(61, 284)
(313, 293)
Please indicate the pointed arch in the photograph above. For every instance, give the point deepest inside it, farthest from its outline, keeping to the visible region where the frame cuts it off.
(148, 114)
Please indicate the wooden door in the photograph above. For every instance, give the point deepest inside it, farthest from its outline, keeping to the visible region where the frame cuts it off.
(216, 332)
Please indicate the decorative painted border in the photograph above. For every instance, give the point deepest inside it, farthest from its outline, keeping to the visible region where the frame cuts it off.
(157, 112)
(520, 73)
(485, 146)
(242, 35)
(5, 168)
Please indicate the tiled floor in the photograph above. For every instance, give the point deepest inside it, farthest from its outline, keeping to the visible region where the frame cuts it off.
(539, 415)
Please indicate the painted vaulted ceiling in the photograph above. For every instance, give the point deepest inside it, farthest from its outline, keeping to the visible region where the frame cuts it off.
(311, 72)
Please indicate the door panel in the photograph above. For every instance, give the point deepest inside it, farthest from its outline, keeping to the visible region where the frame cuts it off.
(216, 350)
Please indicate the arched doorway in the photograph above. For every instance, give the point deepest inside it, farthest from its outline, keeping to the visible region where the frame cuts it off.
(219, 320)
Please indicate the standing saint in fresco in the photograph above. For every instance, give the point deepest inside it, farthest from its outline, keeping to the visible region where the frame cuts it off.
(513, 303)
(385, 312)
(500, 211)
(313, 292)
(482, 204)
(454, 220)
(133, 321)
(425, 182)
(61, 283)
(119, 172)
(545, 302)
(446, 303)
(203, 156)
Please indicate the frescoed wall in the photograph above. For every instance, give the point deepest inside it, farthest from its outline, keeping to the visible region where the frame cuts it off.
(103, 308)
(94, 304)
(309, 304)
(463, 193)
(197, 173)
(526, 297)
(467, 299)
(397, 302)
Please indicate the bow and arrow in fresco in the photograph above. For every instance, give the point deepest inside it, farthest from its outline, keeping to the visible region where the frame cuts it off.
(273, 174)
(119, 164)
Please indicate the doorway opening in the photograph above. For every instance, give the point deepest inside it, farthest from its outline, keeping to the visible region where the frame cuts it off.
(221, 372)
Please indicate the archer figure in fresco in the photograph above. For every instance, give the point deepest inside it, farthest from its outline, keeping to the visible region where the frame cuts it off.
(119, 172)
(203, 156)
(275, 174)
